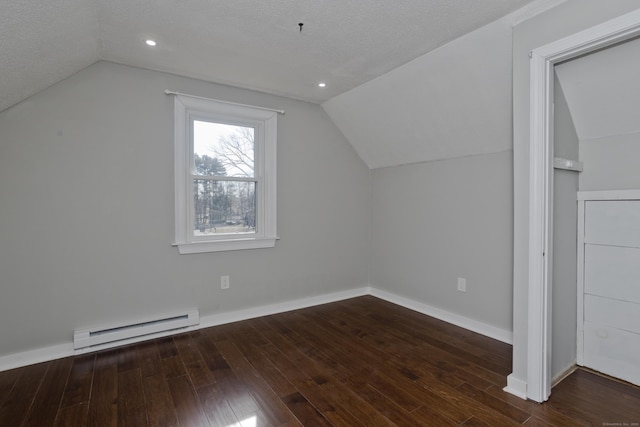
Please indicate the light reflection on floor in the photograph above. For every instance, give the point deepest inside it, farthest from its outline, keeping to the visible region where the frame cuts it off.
(247, 422)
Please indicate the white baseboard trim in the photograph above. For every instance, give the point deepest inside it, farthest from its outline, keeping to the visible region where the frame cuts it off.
(568, 370)
(516, 386)
(46, 354)
(58, 351)
(38, 355)
(282, 307)
(446, 316)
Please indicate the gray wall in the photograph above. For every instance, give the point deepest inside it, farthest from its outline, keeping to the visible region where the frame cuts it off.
(436, 133)
(565, 241)
(565, 19)
(82, 165)
(436, 221)
(611, 162)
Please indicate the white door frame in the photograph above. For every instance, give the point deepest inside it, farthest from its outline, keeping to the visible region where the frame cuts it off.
(542, 64)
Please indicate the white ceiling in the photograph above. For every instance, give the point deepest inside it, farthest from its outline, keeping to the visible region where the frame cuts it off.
(603, 91)
(253, 44)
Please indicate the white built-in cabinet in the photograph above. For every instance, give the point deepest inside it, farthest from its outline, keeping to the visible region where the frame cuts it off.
(609, 282)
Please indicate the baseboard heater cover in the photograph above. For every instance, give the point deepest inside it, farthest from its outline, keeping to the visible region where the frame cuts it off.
(84, 338)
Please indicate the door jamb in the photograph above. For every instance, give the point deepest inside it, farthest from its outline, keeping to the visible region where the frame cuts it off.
(542, 64)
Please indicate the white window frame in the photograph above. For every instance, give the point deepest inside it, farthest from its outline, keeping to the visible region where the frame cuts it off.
(264, 121)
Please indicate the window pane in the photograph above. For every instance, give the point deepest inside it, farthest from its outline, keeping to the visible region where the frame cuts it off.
(226, 149)
(224, 207)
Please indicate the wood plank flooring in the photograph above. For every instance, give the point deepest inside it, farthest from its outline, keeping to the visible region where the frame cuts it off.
(359, 362)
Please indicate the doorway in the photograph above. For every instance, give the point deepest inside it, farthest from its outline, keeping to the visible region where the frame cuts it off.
(543, 59)
(601, 92)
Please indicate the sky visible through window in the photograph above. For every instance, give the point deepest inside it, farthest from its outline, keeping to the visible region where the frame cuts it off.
(231, 145)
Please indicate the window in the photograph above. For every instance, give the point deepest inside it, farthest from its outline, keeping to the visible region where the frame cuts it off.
(225, 175)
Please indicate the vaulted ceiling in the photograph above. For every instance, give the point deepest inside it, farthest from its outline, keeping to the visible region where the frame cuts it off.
(253, 44)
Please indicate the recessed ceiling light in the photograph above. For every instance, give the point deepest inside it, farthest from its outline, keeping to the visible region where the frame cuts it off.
(322, 84)
(150, 42)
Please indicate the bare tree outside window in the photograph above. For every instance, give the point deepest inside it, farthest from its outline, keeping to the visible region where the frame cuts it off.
(235, 151)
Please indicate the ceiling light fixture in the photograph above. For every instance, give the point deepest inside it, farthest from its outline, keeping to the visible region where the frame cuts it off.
(150, 42)
(322, 84)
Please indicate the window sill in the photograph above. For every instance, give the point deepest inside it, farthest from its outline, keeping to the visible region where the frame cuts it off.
(225, 245)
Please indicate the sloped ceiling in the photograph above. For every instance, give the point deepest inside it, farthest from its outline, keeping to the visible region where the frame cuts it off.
(43, 42)
(603, 91)
(454, 101)
(248, 43)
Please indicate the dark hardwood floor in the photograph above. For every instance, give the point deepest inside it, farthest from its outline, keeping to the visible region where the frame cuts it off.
(360, 362)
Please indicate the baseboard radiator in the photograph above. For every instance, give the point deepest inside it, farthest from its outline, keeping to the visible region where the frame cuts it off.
(111, 335)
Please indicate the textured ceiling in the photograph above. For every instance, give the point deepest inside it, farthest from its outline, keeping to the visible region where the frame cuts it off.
(248, 43)
(43, 42)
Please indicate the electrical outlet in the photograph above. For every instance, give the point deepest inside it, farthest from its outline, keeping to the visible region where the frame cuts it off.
(224, 282)
(462, 284)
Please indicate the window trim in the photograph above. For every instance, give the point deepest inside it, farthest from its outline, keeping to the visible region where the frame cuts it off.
(265, 122)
